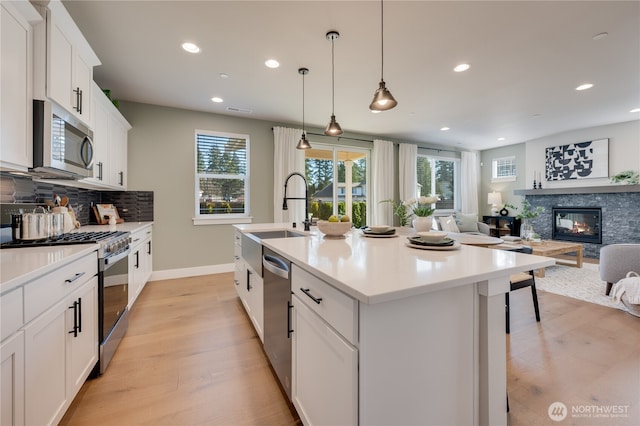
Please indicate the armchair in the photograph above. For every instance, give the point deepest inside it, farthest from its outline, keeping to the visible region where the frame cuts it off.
(616, 260)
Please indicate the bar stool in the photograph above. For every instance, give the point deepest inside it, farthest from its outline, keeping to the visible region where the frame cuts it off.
(522, 280)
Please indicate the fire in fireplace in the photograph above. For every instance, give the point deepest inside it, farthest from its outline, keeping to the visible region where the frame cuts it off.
(577, 224)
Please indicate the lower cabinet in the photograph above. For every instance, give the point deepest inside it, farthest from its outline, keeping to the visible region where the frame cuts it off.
(60, 351)
(140, 262)
(250, 288)
(325, 371)
(12, 380)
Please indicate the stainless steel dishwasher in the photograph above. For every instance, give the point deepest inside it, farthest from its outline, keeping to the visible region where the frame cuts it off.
(277, 315)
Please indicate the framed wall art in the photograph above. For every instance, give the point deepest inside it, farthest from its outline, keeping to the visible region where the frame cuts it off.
(578, 161)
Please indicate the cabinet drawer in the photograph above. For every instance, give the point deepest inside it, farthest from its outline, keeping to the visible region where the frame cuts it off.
(335, 307)
(10, 313)
(139, 237)
(43, 292)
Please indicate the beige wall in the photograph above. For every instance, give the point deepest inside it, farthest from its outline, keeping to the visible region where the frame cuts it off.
(624, 154)
(506, 188)
(161, 158)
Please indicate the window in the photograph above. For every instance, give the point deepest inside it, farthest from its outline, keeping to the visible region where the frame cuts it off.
(503, 169)
(222, 178)
(439, 176)
(347, 168)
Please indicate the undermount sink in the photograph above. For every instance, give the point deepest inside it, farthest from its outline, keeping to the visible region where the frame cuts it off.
(281, 233)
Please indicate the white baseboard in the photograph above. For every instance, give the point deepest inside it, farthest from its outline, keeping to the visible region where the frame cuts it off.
(169, 274)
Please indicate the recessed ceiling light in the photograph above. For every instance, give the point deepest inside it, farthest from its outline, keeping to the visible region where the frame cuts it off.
(223, 75)
(600, 36)
(584, 86)
(444, 129)
(462, 67)
(502, 139)
(635, 110)
(216, 99)
(190, 47)
(373, 111)
(272, 63)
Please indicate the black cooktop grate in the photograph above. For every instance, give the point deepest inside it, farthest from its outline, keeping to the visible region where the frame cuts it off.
(66, 239)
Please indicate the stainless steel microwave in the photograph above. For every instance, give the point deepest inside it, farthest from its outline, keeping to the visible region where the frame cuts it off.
(62, 145)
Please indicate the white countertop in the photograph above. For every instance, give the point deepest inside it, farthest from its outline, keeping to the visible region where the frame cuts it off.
(375, 270)
(19, 265)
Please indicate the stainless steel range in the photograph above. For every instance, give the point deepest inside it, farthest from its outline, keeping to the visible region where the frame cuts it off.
(113, 284)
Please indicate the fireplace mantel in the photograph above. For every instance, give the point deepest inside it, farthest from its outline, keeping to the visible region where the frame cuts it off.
(579, 190)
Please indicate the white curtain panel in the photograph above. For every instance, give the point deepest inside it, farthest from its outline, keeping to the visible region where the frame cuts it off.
(408, 173)
(287, 159)
(469, 181)
(382, 176)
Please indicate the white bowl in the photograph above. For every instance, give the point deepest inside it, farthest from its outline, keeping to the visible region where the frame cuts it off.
(379, 228)
(432, 236)
(334, 229)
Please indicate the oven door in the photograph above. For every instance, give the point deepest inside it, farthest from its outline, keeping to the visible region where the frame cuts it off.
(113, 297)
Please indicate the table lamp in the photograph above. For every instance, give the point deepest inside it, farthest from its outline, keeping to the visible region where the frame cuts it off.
(495, 199)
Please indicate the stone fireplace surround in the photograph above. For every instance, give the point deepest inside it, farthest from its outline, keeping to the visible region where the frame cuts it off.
(620, 211)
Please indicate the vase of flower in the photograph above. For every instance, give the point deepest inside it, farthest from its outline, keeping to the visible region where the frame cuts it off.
(422, 223)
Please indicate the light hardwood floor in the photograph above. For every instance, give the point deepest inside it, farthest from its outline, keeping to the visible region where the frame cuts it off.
(191, 357)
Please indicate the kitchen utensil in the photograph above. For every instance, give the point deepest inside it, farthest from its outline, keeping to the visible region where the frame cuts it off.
(64, 201)
(72, 217)
(56, 199)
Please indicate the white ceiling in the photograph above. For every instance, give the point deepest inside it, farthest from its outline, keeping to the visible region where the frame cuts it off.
(527, 58)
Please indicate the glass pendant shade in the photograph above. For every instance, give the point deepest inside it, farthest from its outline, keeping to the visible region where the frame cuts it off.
(303, 143)
(382, 99)
(333, 128)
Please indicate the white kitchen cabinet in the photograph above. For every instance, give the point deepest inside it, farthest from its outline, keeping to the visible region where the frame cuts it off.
(12, 380)
(64, 62)
(82, 353)
(324, 363)
(45, 367)
(110, 141)
(250, 288)
(60, 338)
(16, 84)
(140, 262)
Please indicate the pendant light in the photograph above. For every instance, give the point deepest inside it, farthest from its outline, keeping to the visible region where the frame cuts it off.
(333, 128)
(303, 143)
(382, 99)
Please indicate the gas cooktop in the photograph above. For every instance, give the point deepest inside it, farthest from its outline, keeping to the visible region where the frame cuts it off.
(67, 239)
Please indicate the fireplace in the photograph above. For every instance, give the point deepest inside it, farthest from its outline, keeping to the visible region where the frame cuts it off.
(578, 224)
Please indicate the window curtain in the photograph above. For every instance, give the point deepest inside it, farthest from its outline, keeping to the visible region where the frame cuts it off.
(408, 173)
(469, 180)
(287, 159)
(382, 188)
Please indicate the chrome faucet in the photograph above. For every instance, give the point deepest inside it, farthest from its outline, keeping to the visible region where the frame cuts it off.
(306, 198)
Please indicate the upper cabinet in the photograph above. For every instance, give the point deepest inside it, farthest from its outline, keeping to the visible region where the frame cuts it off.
(110, 143)
(64, 63)
(16, 88)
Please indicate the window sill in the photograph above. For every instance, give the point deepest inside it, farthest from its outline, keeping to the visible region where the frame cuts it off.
(222, 220)
(504, 179)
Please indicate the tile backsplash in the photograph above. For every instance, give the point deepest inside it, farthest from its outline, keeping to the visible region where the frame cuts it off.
(133, 206)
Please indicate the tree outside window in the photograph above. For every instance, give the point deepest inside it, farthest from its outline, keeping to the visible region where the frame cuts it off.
(222, 174)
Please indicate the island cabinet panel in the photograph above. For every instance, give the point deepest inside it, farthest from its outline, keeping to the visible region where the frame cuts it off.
(325, 371)
(417, 362)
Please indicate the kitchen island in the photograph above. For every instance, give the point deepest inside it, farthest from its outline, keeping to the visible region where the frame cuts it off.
(427, 345)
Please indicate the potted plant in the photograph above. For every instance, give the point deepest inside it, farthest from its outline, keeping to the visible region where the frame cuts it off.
(527, 212)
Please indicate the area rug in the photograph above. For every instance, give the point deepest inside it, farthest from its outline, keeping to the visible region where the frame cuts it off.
(580, 283)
